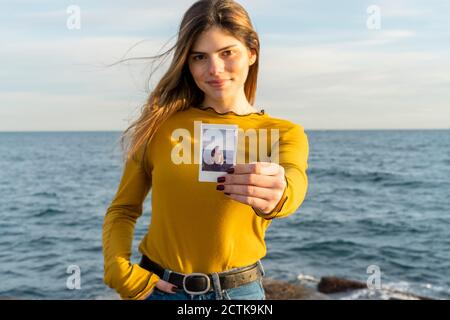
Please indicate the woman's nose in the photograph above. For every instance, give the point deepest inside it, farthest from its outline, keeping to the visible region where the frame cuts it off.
(215, 65)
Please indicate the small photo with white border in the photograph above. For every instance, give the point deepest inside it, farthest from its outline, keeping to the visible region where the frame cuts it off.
(218, 148)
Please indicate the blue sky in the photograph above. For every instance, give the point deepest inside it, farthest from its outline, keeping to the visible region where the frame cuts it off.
(321, 66)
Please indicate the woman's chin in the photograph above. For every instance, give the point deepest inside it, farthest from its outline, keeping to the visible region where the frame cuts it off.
(222, 92)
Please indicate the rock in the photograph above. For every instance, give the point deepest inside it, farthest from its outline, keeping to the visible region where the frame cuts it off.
(281, 290)
(331, 285)
(334, 285)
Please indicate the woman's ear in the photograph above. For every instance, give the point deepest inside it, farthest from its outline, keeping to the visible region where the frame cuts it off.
(252, 56)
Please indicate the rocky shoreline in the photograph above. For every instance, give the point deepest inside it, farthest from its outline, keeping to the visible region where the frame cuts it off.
(282, 290)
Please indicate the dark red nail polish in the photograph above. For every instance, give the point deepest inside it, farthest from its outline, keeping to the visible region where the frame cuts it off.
(220, 187)
(230, 170)
(221, 179)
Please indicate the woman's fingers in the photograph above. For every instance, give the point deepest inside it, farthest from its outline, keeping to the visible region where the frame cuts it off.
(262, 168)
(253, 191)
(260, 184)
(166, 286)
(250, 179)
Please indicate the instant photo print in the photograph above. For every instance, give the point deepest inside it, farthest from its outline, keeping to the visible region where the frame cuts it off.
(218, 148)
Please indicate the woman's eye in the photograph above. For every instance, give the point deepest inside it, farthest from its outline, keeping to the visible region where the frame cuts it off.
(201, 56)
(197, 58)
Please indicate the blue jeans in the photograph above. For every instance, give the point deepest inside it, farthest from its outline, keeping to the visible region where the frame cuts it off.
(250, 291)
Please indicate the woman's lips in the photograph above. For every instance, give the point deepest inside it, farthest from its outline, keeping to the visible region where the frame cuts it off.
(217, 83)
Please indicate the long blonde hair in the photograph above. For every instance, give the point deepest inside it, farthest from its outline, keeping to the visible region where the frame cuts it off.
(177, 91)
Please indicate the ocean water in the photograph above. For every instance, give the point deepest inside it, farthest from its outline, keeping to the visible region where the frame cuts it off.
(375, 198)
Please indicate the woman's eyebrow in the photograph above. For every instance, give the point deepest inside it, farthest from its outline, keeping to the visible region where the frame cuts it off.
(227, 47)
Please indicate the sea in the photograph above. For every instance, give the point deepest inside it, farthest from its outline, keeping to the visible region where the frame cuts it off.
(377, 211)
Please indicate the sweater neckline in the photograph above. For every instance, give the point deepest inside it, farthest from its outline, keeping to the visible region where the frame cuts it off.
(211, 109)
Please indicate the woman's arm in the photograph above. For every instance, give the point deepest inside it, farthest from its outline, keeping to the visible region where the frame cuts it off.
(293, 157)
(272, 189)
(129, 280)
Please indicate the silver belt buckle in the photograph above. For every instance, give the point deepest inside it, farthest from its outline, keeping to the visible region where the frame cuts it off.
(208, 281)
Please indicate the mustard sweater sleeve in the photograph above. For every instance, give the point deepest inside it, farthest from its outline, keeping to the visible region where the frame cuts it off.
(293, 157)
(129, 280)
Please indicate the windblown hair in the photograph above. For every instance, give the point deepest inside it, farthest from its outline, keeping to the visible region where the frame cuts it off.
(176, 90)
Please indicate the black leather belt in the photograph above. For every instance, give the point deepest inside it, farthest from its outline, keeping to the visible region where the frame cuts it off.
(200, 283)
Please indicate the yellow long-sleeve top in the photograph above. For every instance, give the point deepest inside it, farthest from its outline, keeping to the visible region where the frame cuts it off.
(194, 227)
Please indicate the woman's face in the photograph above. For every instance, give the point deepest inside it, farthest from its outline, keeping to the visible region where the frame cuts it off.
(219, 64)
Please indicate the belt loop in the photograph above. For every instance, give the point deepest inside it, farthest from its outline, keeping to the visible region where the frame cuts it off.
(166, 275)
(261, 268)
(217, 287)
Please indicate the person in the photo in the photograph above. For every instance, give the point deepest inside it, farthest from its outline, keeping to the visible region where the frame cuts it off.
(213, 159)
(205, 240)
(217, 154)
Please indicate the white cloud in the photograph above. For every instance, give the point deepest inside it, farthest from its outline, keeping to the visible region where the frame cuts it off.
(397, 34)
(34, 111)
(405, 9)
(341, 86)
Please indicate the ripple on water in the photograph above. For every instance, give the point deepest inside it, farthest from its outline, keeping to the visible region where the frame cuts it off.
(49, 212)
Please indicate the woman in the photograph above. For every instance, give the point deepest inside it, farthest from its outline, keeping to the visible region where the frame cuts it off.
(205, 240)
(213, 159)
(217, 155)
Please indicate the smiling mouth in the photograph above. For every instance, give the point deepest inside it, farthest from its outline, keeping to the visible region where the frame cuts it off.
(217, 83)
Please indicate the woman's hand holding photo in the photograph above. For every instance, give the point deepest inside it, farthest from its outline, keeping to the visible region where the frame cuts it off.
(258, 184)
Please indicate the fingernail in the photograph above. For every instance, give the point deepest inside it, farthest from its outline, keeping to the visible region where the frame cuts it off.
(221, 179)
(220, 187)
(230, 170)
